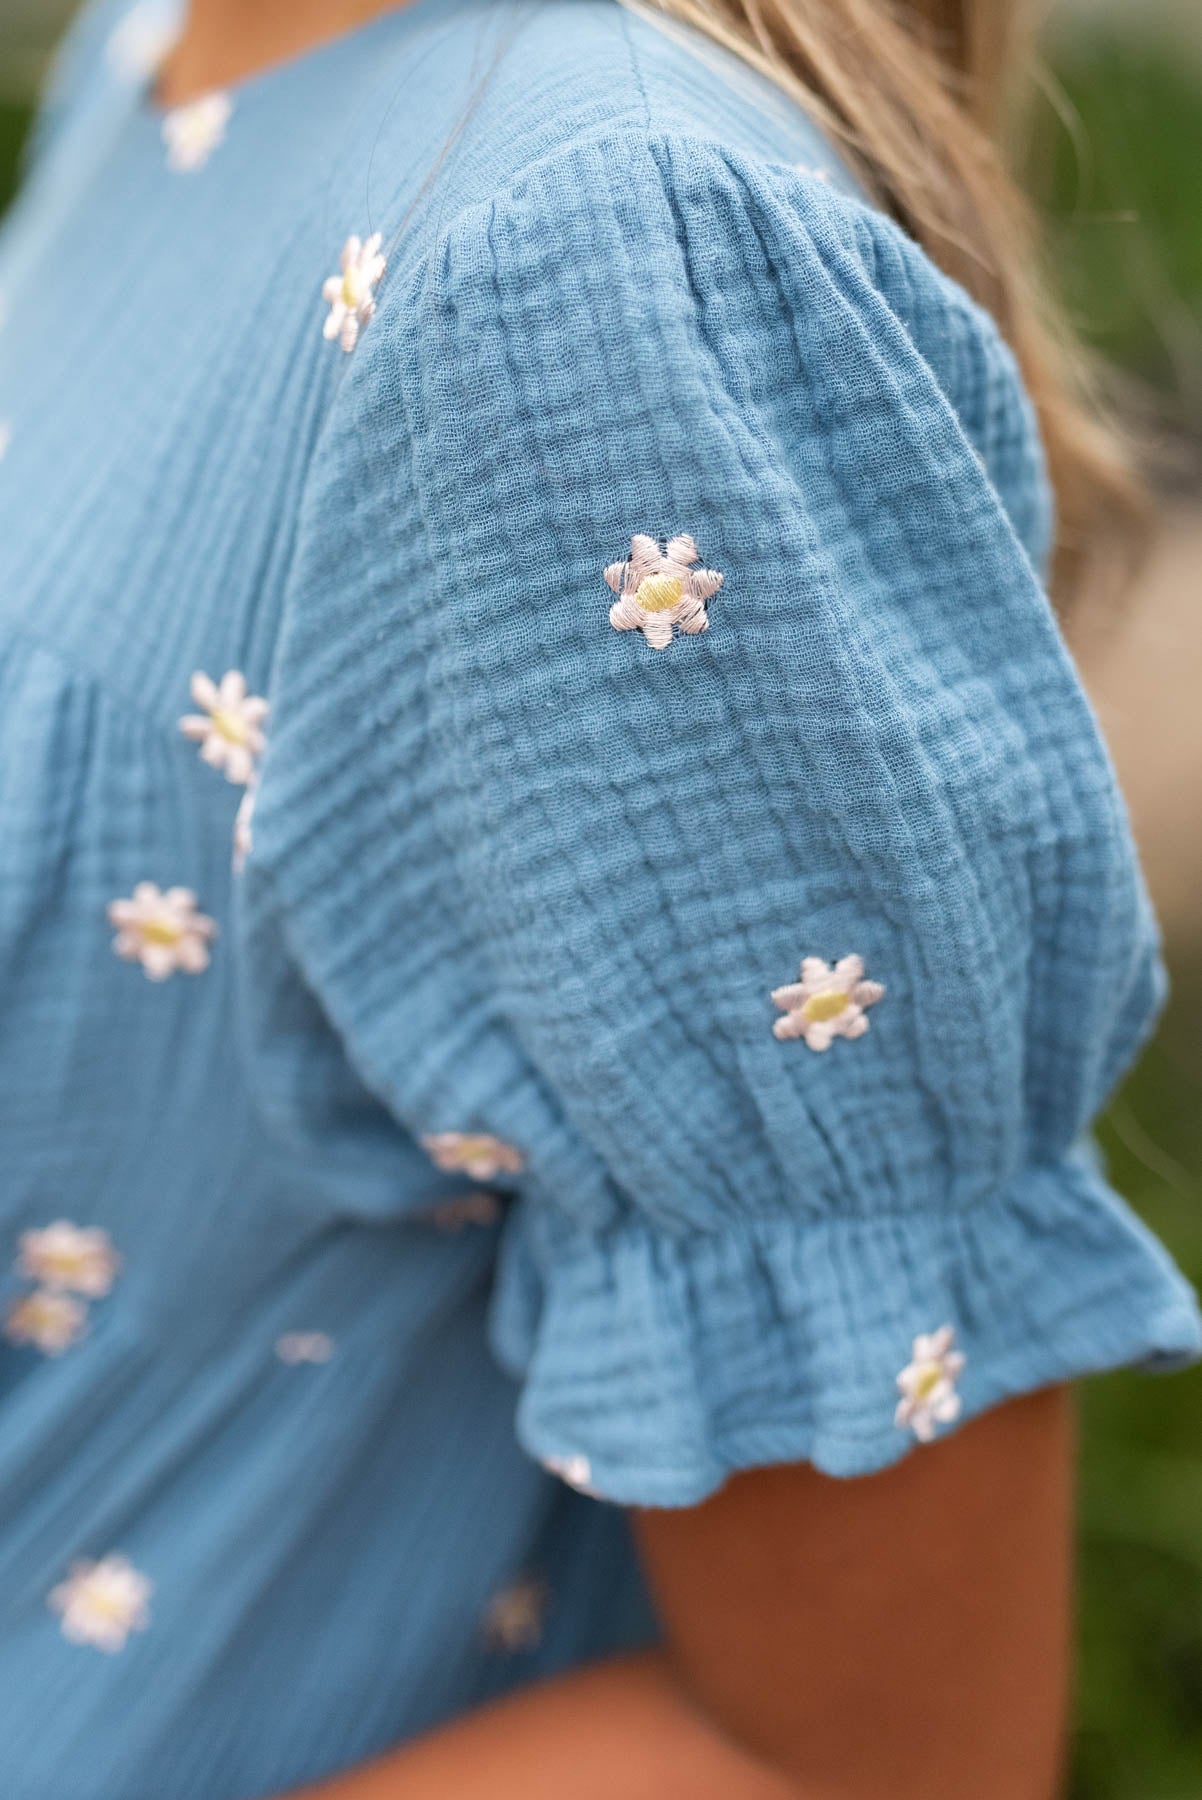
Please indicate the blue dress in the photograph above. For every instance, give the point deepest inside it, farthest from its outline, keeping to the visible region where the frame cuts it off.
(610, 980)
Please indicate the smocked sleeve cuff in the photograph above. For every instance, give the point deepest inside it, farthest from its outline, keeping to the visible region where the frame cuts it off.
(655, 1366)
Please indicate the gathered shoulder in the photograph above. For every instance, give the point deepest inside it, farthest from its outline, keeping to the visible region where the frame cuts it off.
(636, 243)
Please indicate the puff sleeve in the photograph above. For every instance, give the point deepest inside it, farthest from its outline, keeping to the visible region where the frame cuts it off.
(790, 927)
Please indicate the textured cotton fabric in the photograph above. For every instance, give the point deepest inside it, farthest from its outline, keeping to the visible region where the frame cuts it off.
(513, 872)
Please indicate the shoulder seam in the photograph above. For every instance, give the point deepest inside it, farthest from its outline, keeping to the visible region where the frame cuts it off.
(636, 67)
(650, 140)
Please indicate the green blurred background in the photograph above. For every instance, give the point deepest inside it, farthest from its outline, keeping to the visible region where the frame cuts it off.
(1114, 161)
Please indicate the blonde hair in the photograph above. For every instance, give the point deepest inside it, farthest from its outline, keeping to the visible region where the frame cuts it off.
(917, 97)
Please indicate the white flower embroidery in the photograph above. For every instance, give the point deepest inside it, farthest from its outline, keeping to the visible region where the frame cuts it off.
(465, 1209)
(49, 1320)
(513, 1619)
(826, 1003)
(244, 837)
(297, 1347)
(6, 438)
(69, 1259)
(192, 132)
(927, 1384)
(102, 1602)
(576, 1471)
(473, 1153)
(140, 41)
(351, 296)
(162, 931)
(230, 729)
(658, 590)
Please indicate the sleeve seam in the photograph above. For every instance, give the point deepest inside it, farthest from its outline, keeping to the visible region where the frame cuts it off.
(650, 140)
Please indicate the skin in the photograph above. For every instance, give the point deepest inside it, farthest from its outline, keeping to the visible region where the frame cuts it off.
(899, 1637)
(227, 41)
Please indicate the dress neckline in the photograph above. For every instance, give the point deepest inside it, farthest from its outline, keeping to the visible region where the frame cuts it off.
(278, 72)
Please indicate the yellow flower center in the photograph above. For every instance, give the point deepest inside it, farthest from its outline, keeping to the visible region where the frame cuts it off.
(820, 1007)
(161, 931)
(105, 1604)
(229, 725)
(926, 1383)
(42, 1313)
(656, 593)
(65, 1264)
(471, 1147)
(350, 289)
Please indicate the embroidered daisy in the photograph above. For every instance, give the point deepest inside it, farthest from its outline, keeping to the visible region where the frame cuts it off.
(192, 132)
(69, 1259)
(101, 1603)
(139, 43)
(48, 1320)
(244, 837)
(230, 728)
(297, 1347)
(513, 1619)
(465, 1209)
(473, 1153)
(659, 590)
(827, 1002)
(576, 1471)
(928, 1385)
(351, 296)
(162, 931)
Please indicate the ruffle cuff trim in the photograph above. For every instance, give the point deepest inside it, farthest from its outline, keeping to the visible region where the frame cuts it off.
(654, 1366)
